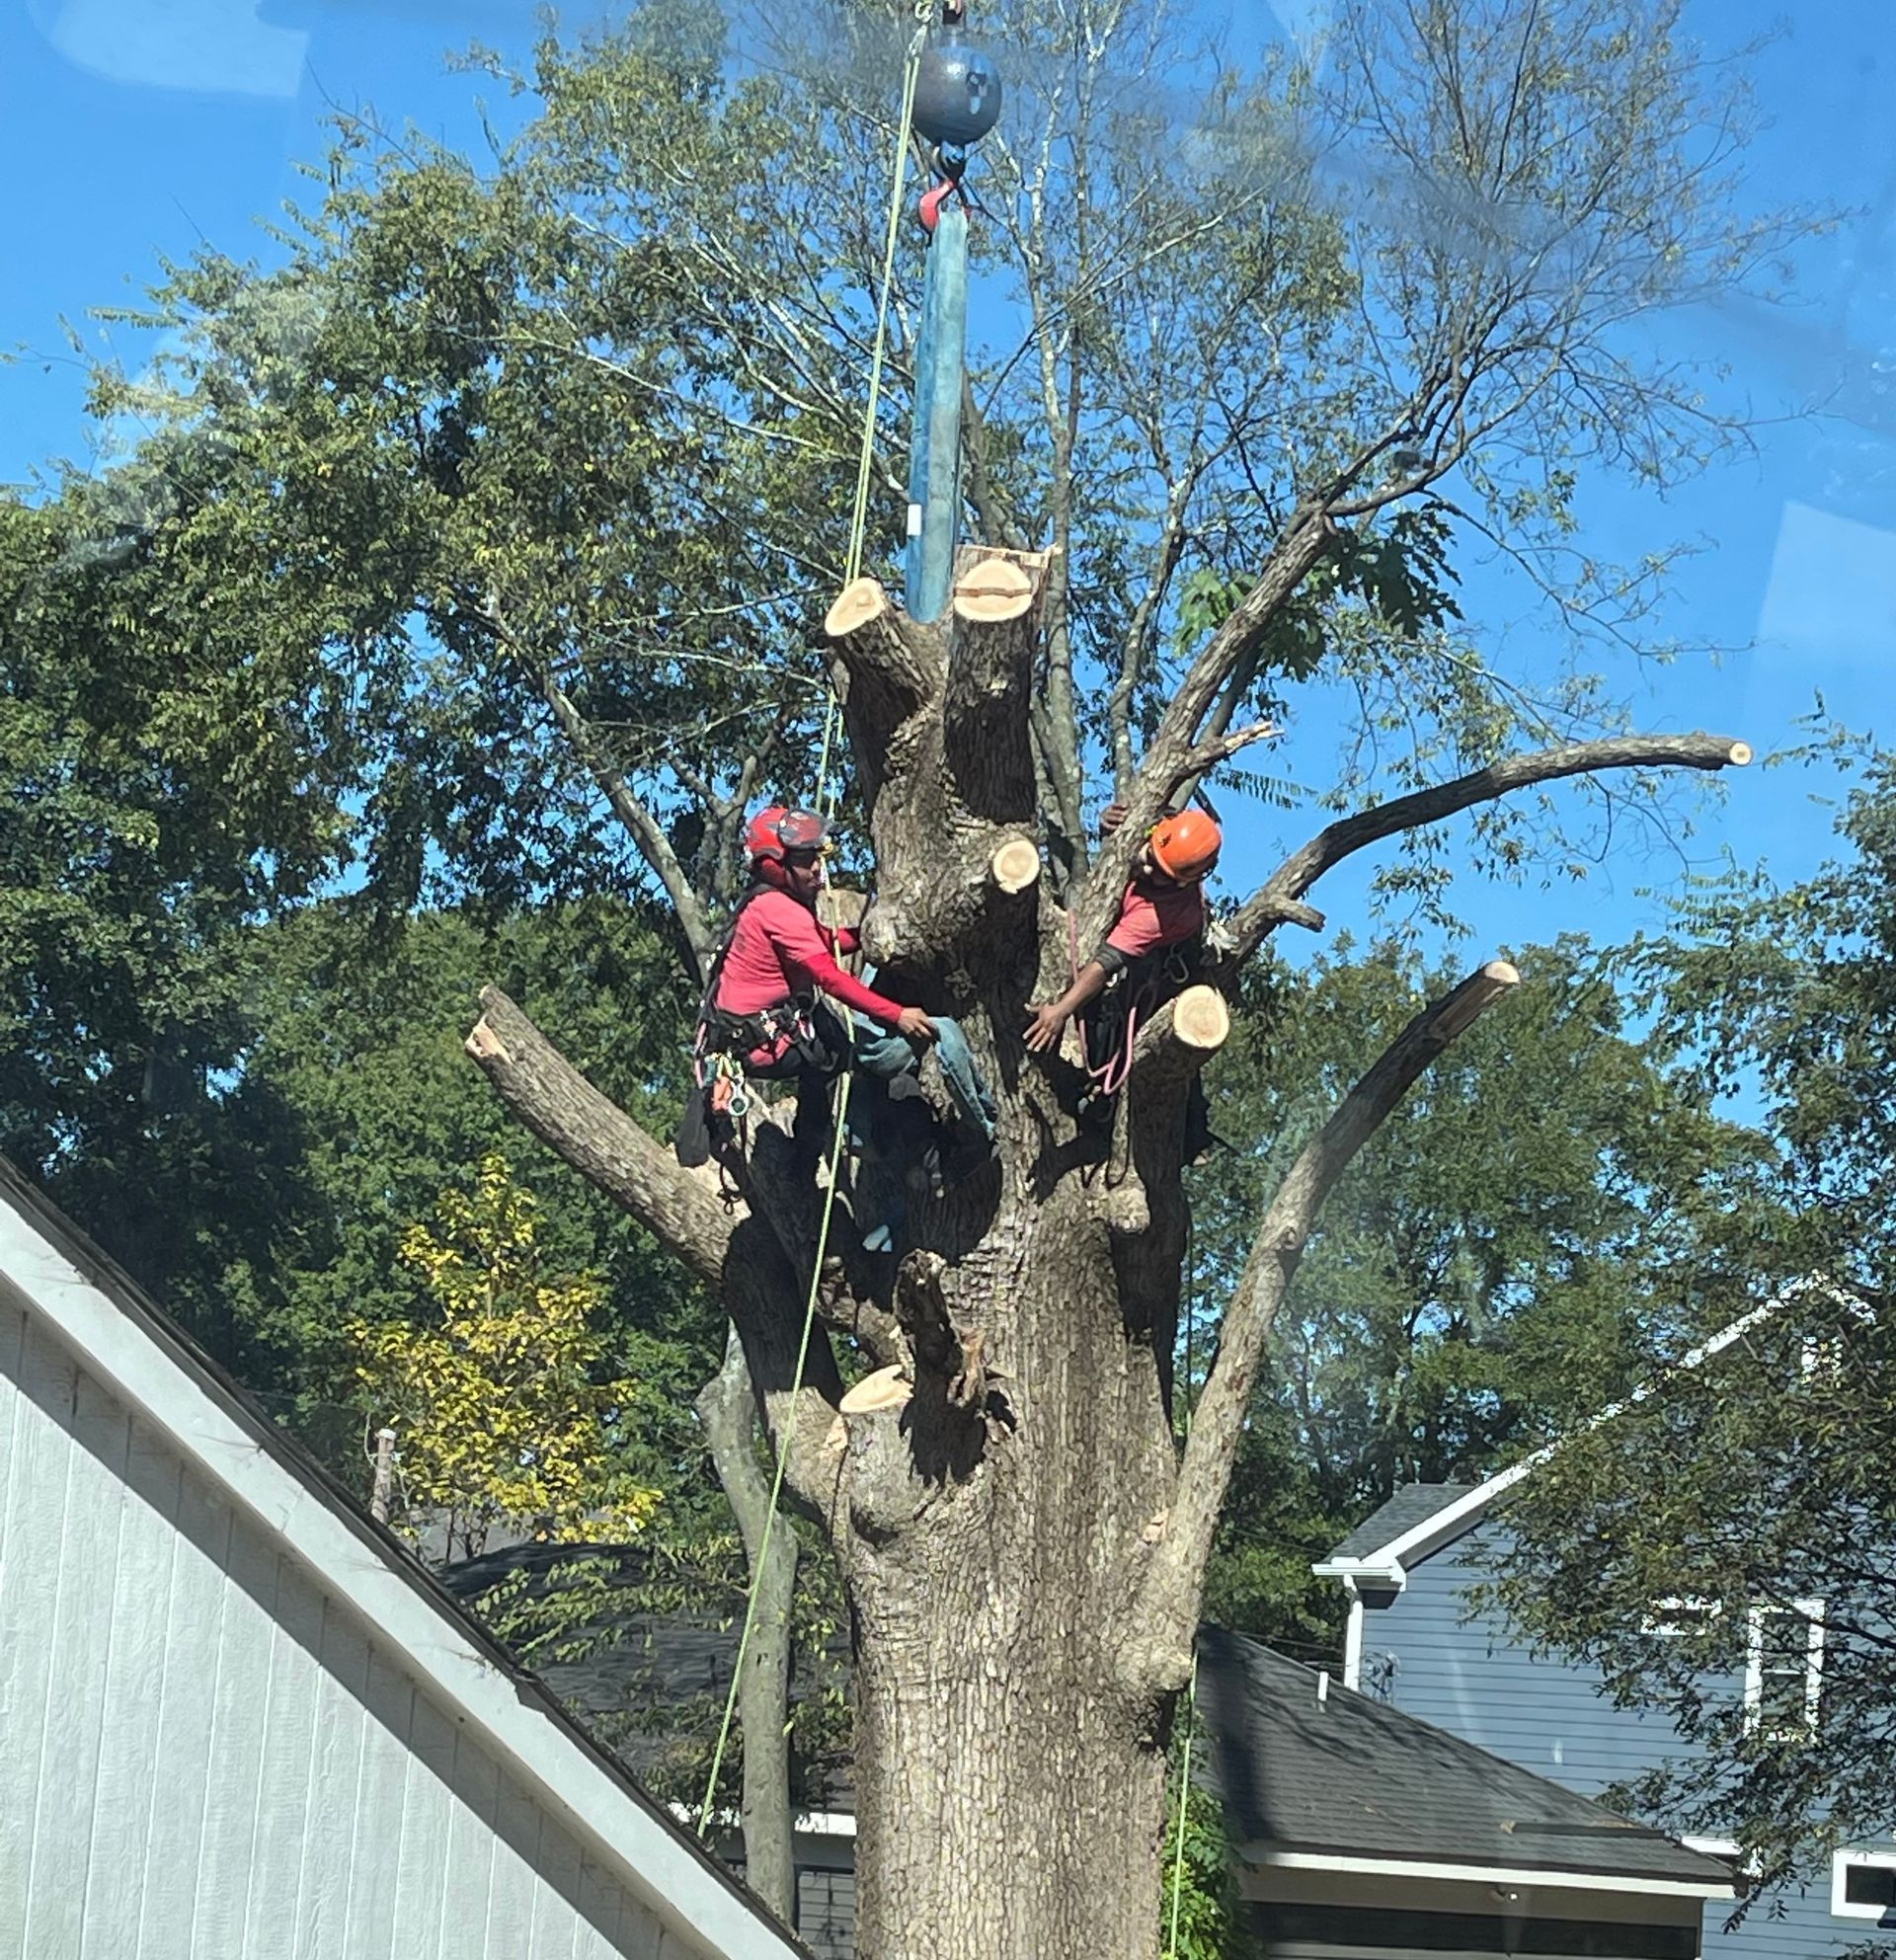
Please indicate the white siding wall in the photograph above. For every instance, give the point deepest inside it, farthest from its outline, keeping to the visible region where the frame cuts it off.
(203, 1758)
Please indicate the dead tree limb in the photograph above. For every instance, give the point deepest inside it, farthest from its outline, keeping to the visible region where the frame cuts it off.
(1276, 900)
(1162, 1649)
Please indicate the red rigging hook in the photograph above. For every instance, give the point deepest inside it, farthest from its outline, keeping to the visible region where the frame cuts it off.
(929, 211)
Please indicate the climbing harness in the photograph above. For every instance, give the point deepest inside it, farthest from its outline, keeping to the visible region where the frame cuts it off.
(1108, 1075)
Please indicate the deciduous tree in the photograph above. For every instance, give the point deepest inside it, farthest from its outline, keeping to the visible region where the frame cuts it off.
(549, 443)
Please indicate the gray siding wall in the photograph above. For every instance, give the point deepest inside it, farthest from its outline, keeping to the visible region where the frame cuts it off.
(1475, 1679)
(203, 1758)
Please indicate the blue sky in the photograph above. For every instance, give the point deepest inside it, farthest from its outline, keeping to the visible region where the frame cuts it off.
(159, 124)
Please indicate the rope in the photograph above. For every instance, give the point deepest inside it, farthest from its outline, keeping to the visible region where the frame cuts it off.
(1184, 1790)
(839, 1109)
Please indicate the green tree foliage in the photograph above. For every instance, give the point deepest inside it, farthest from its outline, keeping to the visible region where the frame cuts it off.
(1738, 1520)
(505, 1411)
(1493, 1268)
(1204, 1915)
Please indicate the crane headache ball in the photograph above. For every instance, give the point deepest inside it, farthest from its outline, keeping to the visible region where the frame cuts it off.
(957, 90)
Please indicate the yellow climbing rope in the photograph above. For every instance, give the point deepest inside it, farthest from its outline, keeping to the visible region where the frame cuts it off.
(827, 801)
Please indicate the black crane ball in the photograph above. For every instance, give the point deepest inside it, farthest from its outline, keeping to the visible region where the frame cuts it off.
(957, 90)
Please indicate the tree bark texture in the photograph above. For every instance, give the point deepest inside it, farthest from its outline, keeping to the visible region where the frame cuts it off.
(1022, 1547)
(730, 1417)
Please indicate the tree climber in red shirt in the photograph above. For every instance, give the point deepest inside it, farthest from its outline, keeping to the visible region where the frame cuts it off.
(768, 1007)
(1152, 951)
(777, 959)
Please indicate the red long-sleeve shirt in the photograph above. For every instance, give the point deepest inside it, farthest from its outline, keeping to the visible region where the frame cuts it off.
(778, 950)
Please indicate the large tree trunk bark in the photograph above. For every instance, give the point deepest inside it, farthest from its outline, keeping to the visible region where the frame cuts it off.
(1006, 1807)
(1009, 1771)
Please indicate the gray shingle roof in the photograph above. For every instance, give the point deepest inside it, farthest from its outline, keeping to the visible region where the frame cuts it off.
(1410, 1506)
(1357, 1777)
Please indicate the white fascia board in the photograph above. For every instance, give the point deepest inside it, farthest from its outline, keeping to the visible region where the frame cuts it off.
(637, 1845)
(1515, 1877)
(811, 1822)
(827, 1824)
(1358, 1572)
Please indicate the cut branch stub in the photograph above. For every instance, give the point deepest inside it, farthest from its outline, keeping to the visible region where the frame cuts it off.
(1201, 1019)
(884, 1388)
(1474, 997)
(993, 589)
(1015, 865)
(1178, 1041)
(889, 670)
(995, 632)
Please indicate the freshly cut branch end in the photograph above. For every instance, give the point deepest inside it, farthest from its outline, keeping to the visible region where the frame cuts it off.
(1015, 865)
(1739, 753)
(1201, 1019)
(1474, 997)
(884, 1389)
(860, 602)
(484, 1044)
(992, 590)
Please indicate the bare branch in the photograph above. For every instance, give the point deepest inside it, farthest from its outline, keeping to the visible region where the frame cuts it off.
(1267, 906)
(1168, 1601)
(642, 827)
(733, 1250)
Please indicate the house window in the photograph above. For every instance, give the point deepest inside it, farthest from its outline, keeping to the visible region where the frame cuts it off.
(1784, 1669)
(1862, 1886)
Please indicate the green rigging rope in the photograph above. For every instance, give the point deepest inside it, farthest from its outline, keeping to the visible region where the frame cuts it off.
(858, 527)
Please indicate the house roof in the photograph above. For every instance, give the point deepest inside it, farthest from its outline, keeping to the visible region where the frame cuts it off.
(1312, 1773)
(646, 1680)
(129, 1343)
(1412, 1505)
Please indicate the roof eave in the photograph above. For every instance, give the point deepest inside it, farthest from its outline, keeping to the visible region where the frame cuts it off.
(1357, 1572)
(1554, 1877)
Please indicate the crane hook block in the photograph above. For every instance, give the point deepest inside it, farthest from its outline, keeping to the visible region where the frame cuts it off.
(957, 89)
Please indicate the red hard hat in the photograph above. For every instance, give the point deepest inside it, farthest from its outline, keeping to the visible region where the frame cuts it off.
(779, 828)
(1185, 847)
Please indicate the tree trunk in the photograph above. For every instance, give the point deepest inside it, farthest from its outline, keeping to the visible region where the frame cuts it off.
(729, 1413)
(1005, 1806)
(1010, 1771)
(1022, 1545)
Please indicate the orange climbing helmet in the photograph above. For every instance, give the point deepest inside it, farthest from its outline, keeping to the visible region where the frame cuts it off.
(1185, 845)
